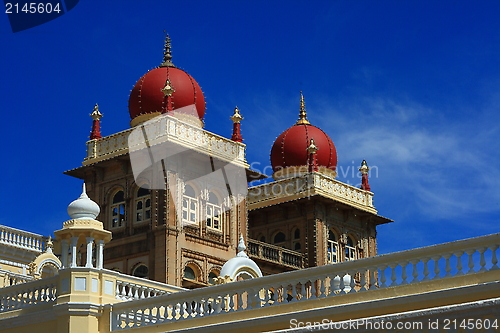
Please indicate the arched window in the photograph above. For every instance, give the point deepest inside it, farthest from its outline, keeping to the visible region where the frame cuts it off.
(141, 271)
(350, 249)
(189, 273)
(263, 239)
(279, 238)
(143, 205)
(189, 205)
(296, 239)
(213, 212)
(118, 210)
(332, 247)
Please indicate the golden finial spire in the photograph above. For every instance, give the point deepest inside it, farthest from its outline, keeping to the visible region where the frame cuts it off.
(169, 89)
(167, 53)
(302, 113)
(96, 114)
(237, 117)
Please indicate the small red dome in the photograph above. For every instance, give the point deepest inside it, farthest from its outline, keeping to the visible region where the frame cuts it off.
(147, 96)
(290, 148)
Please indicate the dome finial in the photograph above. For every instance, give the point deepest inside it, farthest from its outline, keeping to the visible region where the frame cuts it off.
(302, 114)
(167, 53)
(242, 248)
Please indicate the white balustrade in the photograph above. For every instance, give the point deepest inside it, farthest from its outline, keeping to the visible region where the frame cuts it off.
(161, 130)
(11, 279)
(21, 296)
(127, 291)
(21, 239)
(309, 185)
(385, 271)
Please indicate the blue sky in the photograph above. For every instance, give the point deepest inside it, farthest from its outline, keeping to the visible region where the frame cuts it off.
(413, 87)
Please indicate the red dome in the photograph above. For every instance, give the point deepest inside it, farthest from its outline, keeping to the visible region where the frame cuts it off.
(147, 96)
(290, 148)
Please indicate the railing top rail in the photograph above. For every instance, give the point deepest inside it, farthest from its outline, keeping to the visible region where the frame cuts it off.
(332, 269)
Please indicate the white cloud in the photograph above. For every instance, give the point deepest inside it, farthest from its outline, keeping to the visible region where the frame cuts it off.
(446, 163)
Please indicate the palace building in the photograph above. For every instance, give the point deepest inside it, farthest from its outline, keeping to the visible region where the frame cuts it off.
(167, 235)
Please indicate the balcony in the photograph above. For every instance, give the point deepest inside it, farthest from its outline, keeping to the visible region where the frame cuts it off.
(306, 186)
(166, 129)
(21, 239)
(275, 254)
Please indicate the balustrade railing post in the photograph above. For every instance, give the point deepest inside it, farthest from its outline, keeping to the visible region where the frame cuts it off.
(426, 268)
(470, 264)
(459, 267)
(494, 260)
(404, 275)
(437, 270)
(482, 261)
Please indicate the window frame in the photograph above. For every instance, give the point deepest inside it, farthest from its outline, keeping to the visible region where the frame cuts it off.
(217, 219)
(145, 209)
(350, 249)
(332, 247)
(117, 211)
(187, 207)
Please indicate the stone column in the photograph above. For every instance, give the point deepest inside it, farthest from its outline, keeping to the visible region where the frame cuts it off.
(64, 254)
(90, 242)
(99, 254)
(74, 241)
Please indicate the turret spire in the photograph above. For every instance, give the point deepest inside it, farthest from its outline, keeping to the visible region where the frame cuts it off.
(364, 169)
(96, 123)
(167, 53)
(236, 118)
(302, 113)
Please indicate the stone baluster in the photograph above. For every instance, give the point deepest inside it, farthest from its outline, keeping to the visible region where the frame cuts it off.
(372, 279)
(382, 276)
(363, 283)
(447, 267)
(393, 274)
(426, 269)
(352, 282)
(437, 270)
(482, 261)
(494, 260)
(470, 264)
(459, 267)
(404, 275)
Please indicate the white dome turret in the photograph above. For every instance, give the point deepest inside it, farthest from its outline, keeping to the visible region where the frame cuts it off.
(83, 207)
